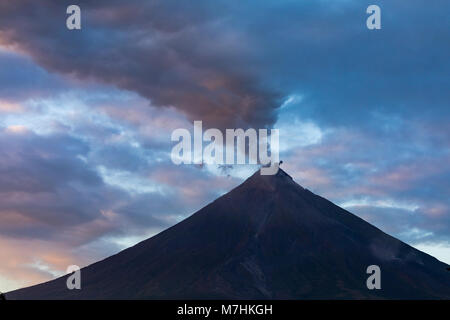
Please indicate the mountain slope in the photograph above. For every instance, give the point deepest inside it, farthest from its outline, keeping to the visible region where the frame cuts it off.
(269, 238)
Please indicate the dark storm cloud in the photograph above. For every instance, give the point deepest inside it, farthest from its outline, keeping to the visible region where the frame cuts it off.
(173, 53)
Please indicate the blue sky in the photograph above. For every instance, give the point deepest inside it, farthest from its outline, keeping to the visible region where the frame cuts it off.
(86, 117)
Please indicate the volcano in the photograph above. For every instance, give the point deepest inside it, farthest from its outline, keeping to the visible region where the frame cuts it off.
(269, 238)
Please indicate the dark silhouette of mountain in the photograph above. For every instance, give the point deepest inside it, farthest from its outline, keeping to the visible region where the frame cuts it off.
(269, 238)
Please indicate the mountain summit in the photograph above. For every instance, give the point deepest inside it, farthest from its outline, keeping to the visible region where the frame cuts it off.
(268, 238)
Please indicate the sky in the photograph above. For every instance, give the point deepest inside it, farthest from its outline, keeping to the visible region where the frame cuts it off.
(86, 117)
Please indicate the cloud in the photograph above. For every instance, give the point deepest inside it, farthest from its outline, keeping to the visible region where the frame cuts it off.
(232, 65)
(46, 184)
(10, 107)
(397, 181)
(194, 62)
(26, 262)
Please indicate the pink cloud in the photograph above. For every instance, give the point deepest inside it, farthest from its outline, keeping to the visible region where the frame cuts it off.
(10, 107)
(29, 262)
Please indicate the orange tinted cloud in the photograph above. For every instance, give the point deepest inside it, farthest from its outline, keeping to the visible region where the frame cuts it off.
(10, 107)
(28, 262)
